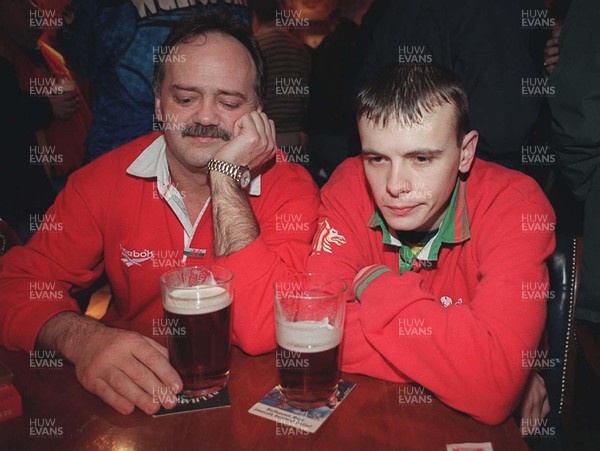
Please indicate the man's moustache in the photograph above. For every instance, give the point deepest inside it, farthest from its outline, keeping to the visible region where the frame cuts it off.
(205, 131)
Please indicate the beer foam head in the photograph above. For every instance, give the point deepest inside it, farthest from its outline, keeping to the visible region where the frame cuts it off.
(197, 300)
(307, 336)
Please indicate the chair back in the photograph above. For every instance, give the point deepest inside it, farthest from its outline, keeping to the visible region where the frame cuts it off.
(563, 269)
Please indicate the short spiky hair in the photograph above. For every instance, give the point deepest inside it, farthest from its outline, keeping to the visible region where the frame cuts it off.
(222, 22)
(405, 92)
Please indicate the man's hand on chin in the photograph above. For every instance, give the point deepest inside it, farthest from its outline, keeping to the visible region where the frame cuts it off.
(253, 142)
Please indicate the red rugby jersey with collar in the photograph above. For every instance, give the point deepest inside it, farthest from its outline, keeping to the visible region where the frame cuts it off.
(114, 222)
(459, 324)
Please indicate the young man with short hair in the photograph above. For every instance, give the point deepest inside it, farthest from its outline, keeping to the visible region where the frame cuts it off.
(441, 249)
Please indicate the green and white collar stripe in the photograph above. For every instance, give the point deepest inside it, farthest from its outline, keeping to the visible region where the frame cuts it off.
(454, 229)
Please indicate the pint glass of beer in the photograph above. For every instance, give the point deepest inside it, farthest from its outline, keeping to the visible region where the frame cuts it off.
(309, 320)
(197, 304)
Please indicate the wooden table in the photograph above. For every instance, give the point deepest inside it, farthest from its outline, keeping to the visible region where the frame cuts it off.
(371, 418)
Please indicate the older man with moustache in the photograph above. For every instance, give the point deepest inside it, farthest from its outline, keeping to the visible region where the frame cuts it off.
(204, 191)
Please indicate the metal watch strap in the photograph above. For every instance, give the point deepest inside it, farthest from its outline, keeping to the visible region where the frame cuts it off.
(232, 170)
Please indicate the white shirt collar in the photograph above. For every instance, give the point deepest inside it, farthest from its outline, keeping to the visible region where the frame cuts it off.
(152, 162)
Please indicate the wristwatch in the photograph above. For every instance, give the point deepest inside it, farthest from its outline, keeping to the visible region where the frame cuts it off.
(241, 174)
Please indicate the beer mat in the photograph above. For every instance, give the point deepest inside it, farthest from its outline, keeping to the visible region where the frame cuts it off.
(273, 407)
(185, 405)
(487, 446)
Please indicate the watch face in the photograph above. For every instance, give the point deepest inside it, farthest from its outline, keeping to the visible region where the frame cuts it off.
(245, 179)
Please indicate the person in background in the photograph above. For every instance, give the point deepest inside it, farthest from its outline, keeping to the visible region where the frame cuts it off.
(44, 120)
(551, 53)
(485, 44)
(53, 17)
(576, 137)
(330, 111)
(437, 246)
(288, 70)
(205, 190)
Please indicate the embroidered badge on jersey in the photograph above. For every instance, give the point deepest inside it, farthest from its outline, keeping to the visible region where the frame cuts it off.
(447, 301)
(326, 237)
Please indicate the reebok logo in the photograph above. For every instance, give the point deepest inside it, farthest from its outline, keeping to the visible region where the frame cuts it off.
(131, 258)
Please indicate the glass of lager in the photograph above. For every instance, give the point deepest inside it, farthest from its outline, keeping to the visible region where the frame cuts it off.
(309, 321)
(197, 304)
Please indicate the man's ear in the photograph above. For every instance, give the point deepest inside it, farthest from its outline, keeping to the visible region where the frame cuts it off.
(157, 113)
(467, 151)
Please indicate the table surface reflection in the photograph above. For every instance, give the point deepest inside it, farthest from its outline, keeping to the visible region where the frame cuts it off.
(371, 418)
